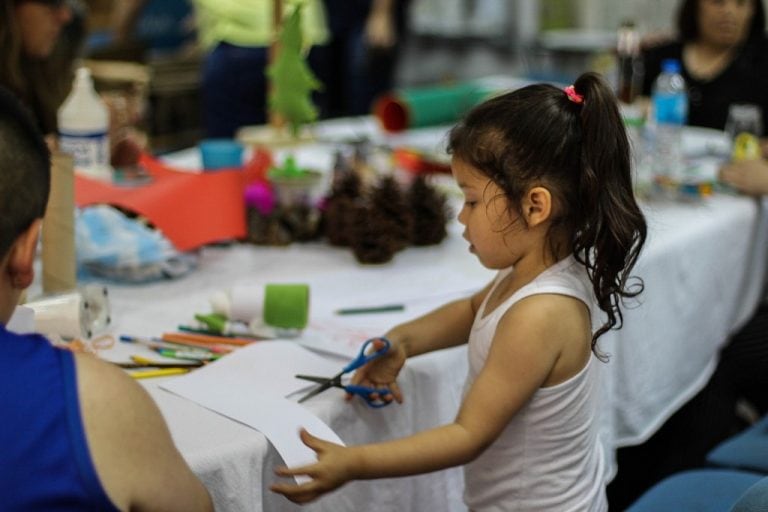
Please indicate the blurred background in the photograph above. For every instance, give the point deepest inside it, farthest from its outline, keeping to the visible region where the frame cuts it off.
(442, 41)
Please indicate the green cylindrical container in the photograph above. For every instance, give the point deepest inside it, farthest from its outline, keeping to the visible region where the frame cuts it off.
(286, 305)
(427, 106)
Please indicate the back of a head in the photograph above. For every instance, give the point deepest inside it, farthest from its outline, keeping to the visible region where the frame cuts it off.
(24, 170)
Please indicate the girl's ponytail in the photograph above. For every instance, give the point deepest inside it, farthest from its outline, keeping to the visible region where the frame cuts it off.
(573, 141)
(613, 229)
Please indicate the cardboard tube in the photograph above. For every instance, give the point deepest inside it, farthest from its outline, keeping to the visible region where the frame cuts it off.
(427, 106)
(58, 246)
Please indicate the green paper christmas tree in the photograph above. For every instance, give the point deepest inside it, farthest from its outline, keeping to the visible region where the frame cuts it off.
(292, 82)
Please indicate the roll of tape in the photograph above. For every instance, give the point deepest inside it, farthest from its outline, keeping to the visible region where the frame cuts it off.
(286, 305)
(78, 314)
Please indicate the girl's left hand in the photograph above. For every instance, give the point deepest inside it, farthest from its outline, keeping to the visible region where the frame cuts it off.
(334, 467)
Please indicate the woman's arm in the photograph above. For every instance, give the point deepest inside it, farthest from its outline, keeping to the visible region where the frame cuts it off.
(380, 28)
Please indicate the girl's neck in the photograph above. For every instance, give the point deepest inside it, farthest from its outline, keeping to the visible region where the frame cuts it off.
(525, 271)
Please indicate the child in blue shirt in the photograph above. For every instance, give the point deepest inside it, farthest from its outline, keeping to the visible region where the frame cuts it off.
(77, 433)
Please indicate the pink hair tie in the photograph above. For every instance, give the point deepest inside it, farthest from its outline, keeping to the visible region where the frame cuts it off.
(575, 97)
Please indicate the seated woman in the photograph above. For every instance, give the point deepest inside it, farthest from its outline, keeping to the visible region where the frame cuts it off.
(724, 55)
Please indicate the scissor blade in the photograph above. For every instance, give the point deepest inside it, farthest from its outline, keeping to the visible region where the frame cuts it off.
(319, 389)
(312, 378)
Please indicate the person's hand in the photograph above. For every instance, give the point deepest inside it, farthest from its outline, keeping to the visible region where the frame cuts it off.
(382, 372)
(334, 467)
(380, 30)
(748, 176)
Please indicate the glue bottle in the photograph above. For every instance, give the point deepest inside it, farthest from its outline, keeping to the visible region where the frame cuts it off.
(84, 127)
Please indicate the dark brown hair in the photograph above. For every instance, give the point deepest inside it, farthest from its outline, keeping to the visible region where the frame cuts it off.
(580, 152)
(688, 21)
(24, 170)
(42, 84)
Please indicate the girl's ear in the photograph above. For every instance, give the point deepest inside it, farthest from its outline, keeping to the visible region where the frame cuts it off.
(537, 206)
(22, 256)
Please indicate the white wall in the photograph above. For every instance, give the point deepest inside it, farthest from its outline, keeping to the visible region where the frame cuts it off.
(649, 15)
(513, 25)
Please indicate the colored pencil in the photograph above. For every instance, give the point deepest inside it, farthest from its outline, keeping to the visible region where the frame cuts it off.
(205, 339)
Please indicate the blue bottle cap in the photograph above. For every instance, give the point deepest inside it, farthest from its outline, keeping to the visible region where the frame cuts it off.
(670, 66)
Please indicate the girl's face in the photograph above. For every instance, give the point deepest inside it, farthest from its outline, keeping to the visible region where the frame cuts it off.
(725, 22)
(491, 228)
(40, 23)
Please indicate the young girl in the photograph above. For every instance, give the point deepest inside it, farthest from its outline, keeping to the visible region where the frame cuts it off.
(548, 202)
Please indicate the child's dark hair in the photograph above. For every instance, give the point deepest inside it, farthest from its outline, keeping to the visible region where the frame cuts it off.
(24, 170)
(539, 135)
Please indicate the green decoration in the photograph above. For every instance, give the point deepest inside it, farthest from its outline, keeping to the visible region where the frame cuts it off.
(289, 169)
(292, 82)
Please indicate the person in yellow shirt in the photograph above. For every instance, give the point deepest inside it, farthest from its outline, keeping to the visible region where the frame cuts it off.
(237, 35)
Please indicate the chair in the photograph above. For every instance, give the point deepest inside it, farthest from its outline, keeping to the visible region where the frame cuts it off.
(755, 499)
(747, 450)
(705, 490)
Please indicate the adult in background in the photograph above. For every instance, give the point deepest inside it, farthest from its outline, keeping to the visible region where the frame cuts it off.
(724, 54)
(359, 62)
(39, 41)
(237, 35)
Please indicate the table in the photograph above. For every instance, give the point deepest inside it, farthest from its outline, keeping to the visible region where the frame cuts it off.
(703, 268)
(235, 461)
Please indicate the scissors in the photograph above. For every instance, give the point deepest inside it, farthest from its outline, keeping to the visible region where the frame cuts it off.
(364, 392)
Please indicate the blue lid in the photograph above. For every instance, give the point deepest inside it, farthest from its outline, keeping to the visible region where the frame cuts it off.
(670, 66)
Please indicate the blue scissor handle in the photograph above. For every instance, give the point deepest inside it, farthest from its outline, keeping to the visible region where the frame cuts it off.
(365, 393)
(362, 358)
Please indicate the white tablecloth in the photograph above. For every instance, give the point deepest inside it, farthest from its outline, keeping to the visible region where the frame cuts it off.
(703, 269)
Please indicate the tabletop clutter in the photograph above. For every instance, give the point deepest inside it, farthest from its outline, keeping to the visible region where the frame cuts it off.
(375, 195)
(369, 196)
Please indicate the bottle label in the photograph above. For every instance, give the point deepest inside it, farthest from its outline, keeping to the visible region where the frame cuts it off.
(89, 150)
(670, 108)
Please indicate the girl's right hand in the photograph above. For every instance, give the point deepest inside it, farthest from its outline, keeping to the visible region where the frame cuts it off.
(382, 372)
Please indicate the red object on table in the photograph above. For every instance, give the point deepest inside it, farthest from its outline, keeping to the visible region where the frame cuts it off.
(419, 163)
(191, 209)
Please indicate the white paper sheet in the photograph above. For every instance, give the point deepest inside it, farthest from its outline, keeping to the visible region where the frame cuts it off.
(249, 386)
(342, 335)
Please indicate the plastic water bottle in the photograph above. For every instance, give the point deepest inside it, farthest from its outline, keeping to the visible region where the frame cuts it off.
(84, 128)
(670, 113)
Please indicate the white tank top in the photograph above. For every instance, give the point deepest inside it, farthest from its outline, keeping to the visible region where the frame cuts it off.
(548, 458)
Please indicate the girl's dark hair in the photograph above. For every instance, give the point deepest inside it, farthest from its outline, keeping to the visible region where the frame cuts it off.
(688, 21)
(538, 136)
